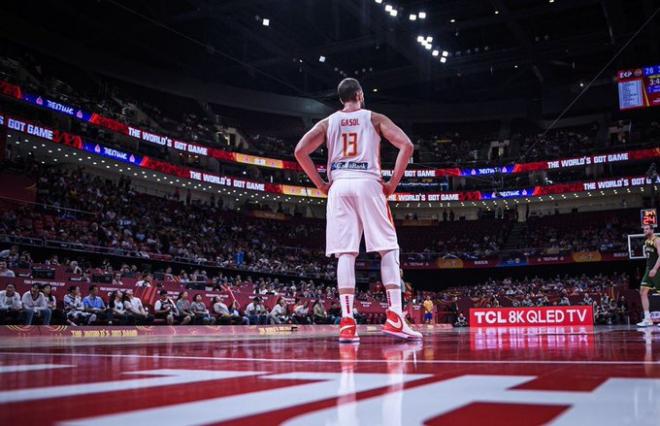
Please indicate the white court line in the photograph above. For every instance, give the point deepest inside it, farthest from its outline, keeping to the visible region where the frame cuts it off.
(30, 367)
(162, 377)
(363, 361)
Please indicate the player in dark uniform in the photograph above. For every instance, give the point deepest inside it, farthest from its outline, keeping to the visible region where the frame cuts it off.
(651, 279)
(407, 295)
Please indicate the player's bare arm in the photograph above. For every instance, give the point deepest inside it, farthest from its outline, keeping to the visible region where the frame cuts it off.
(309, 143)
(400, 140)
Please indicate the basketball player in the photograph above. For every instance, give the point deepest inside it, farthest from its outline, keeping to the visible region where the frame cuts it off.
(407, 289)
(650, 280)
(357, 200)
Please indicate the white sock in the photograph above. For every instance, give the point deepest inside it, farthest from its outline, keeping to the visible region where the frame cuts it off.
(346, 281)
(394, 300)
(647, 315)
(346, 301)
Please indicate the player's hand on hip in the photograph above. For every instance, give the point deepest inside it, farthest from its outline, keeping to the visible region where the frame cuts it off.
(652, 273)
(388, 188)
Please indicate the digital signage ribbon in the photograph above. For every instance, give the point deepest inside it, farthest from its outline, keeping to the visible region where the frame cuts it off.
(144, 161)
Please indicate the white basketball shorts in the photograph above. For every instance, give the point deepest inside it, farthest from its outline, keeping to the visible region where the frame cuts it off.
(356, 206)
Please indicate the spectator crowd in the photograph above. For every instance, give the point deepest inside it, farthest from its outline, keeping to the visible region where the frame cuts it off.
(271, 300)
(75, 210)
(86, 211)
(458, 144)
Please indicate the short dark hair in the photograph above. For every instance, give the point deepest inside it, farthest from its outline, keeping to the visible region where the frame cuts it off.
(348, 89)
(163, 293)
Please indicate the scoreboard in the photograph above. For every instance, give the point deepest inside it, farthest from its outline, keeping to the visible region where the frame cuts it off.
(649, 217)
(639, 87)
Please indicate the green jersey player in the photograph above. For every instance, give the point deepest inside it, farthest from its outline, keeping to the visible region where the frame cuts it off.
(651, 279)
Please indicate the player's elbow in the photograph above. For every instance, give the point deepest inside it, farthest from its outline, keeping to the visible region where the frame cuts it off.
(408, 147)
(299, 151)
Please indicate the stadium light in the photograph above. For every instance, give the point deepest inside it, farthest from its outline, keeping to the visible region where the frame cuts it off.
(435, 52)
(388, 7)
(428, 46)
(412, 17)
(265, 22)
(497, 12)
(429, 39)
(422, 15)
(452, 20)
(393, 13)
(379, 1)
(420, 39)
(321, 58)
(443, 59)
(445, 53)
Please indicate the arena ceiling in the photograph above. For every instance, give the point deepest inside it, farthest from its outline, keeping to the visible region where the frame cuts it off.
(495, 48)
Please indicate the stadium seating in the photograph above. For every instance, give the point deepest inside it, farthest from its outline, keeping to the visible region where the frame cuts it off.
(440, 144)
(108, 217)
(608, 293)
(76, 211)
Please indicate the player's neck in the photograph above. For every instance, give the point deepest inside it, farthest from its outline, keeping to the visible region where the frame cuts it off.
(351, 107)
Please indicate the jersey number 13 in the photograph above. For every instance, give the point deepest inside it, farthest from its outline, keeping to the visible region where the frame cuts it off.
(349, 144)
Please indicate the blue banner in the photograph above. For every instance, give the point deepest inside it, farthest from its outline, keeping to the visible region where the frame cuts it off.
(522, 261)
(115, 154)
(517, 193)
(484, 171)
(44, 102)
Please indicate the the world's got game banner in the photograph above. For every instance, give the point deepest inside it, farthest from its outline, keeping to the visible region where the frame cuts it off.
(532, 317)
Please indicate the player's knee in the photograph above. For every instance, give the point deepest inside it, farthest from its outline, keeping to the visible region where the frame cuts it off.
(346, 262)
(394, 252)
(346, 257)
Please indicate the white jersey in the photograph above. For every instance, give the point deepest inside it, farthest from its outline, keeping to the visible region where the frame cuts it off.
(353, 146)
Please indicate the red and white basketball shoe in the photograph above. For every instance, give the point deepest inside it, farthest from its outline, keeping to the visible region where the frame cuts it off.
(348, 331)
(395, 325)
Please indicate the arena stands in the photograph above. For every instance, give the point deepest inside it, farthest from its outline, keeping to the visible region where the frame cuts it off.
(624, 164)
(438, 144)
(236, 299)
(79, 211)
(447, 241)
(86, 211)
(83, 210)
(580, 232)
